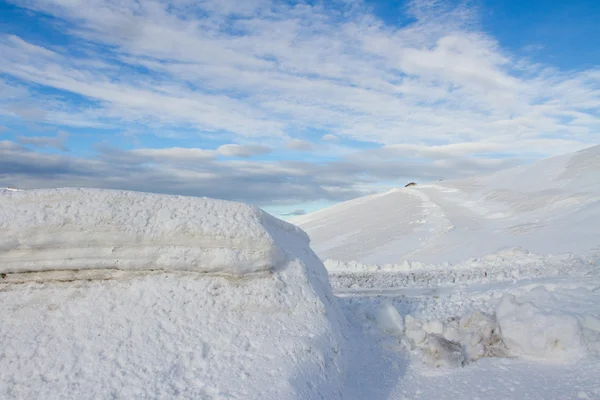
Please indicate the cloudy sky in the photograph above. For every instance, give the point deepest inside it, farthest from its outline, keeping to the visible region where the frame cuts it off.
(290, 105)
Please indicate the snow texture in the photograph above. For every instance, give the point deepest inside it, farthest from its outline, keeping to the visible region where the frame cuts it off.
(173, 332)
(480, 288)
(97, 229)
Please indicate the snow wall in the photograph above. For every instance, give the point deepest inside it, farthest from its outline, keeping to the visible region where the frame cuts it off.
(213, 299)
(94, 229)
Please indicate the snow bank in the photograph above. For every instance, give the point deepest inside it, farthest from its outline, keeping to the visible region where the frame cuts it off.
(506, 265)
(95, 229)
(529, 331)
(516, 258)
(170, 333)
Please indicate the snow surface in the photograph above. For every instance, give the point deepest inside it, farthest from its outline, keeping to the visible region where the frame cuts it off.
(96, 229)
(480, 288)
(173, 332)
(548, 207)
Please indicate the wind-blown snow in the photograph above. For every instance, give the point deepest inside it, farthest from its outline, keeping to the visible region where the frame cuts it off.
(95, 229)
(158, 326)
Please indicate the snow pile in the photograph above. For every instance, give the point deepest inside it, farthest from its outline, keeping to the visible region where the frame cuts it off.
(172, 332)
(529, 331)
(456, 342)
(516, 329)
(95, 229)
(389, 319)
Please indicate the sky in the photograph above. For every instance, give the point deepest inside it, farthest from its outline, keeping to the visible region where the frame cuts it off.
(291, 106)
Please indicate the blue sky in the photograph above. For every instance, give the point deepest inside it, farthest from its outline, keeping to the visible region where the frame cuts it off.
(290, 105)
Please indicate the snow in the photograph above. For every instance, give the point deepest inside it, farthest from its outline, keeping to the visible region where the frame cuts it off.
(547, 207)
(98, 229)
(480, 288)
(151, 329)
(528, 331)
(486, 287)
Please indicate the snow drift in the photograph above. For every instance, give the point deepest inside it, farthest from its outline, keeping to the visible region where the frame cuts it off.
(162, 327)
(95, 229)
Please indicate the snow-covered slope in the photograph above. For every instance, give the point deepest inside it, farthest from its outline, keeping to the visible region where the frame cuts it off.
(486, 287)
(105, 294)
(552, 206)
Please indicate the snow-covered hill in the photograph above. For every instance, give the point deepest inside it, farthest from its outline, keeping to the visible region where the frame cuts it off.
(109, 294)
(552, 206)
(493, 282)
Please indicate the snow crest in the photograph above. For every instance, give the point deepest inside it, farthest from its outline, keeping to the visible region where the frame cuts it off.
(44, 230)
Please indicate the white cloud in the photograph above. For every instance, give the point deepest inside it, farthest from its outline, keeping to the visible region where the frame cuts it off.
(238, 150)
(330, 137)
(58, 141)
(302, 66)
(197, 172)
(173, 154)
(268, 72)
(299, 144)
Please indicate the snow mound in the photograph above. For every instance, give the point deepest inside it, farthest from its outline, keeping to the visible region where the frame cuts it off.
(168, 333)
(517, 329)
(529, 331)
(456, 342)
(95, 229)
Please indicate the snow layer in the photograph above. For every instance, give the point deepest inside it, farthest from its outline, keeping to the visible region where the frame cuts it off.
(96, 229)
(168, 333)
(552, 206)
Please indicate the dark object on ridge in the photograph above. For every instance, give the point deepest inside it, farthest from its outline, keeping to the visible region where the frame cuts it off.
(410, 184)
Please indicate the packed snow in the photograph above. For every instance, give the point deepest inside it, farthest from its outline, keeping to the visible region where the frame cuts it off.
(131, 313)
(97, 229)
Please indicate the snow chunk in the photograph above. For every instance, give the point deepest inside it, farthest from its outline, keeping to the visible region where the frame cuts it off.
(389, 319)
(440, 352)
(457, 342)
(96, 229)
(529, 331)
